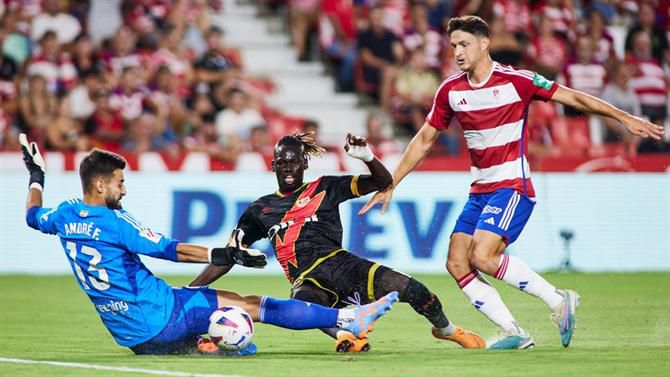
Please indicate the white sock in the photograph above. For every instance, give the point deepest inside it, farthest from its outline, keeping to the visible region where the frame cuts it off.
(449, 330)
(345, 317)
(487, 300)
(516, 273)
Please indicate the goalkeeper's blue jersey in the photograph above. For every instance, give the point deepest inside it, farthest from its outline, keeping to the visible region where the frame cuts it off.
(102, 246)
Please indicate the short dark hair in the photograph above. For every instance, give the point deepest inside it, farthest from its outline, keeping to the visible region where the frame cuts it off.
(470, 24)
(99, 163)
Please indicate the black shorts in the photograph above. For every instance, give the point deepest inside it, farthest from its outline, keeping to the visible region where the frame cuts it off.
(347, 278)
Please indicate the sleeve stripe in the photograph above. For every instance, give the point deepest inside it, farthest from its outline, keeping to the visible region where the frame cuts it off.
(354, 186)
(129, 220)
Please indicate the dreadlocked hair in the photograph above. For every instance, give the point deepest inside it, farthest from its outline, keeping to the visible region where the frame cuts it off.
(306, 140)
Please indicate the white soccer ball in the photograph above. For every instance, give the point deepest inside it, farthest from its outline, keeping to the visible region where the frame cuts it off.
(231, 328)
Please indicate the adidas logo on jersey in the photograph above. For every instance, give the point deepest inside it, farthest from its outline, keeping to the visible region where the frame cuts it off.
(490, 221)
(462, 102)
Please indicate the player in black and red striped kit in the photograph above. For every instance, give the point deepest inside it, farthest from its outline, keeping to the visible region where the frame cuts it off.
(302, 220)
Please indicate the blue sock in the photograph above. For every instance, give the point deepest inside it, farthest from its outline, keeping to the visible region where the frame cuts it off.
(296, 314)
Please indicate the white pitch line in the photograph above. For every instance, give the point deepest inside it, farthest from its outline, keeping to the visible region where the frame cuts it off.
(114, 369)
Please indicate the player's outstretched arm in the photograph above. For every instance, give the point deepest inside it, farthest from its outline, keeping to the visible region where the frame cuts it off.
(416, 151)
(36, 167)
(220, 256)
(590, 104)
(380, 178)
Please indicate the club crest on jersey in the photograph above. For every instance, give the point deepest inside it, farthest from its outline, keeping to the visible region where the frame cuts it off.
(496, 94)
(303, 202)
(83, 213)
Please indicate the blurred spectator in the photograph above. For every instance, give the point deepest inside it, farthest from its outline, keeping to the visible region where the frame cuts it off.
(602, 39)
(16, 44)
(175, 58)
(620, 93)
(504, 47)
(53, 64)
(104, 18)
(337, 36)
(63, 133)
(395, 14)
(122, 54)
(414, 88)
(312, 127)
(81, 99)
(105, 127)
(84, 57)
(52, 18)
(378, 135)
(165, 93)
(548, 52)
(646, 22)
(128, 98)
(38, 107)
(561, 15)
(145, 16)
(206, 139)
(380, 52)
(584, 73)
(191, 18)
(234, 124)
(649, 80)
(148, 133)
(213, 65)
(303, 17)
(260, 141)
(422, 36)
(9, 75)
(439, 13)
(515, 18)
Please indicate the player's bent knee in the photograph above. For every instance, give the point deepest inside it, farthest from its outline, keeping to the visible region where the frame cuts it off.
(481, 258)
(458, 268)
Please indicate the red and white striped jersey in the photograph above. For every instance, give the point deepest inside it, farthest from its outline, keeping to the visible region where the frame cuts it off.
(493, 116)
(649, 82)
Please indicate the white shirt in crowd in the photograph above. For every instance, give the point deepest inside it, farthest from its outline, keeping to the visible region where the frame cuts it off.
(66, 26)
(240, 124)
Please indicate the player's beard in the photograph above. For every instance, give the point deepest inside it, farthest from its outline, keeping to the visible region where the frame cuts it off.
(113, 203)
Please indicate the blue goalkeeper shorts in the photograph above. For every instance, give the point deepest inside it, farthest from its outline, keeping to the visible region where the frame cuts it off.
(504, 212)
(189, 319)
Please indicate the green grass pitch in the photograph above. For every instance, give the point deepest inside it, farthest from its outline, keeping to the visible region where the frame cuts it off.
(623, 330)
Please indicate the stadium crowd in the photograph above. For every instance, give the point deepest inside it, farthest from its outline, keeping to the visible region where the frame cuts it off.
(157, 75)
(396, 52)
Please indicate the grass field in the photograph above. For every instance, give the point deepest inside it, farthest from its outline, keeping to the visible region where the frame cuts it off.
(623, 330)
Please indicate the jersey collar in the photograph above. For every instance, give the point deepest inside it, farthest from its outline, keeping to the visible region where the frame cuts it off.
(486, 80)
(285, 194)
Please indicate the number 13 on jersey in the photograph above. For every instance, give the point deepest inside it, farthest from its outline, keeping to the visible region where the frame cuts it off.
(100, 283)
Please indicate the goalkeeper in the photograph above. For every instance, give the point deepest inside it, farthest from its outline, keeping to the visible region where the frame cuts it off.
(103, 242)
(303, 222)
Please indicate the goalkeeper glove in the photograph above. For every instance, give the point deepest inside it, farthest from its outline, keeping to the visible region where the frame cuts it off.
(34, 162)
(236, 253)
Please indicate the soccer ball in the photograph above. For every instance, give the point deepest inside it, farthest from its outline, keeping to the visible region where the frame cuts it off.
(231, 328)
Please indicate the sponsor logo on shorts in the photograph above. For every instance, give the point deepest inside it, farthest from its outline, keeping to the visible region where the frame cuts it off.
(492, 209)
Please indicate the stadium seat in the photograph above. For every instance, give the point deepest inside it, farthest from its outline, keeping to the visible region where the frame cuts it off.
(571, 136)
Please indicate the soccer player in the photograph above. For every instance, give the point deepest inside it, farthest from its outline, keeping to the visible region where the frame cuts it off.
(491, 101)
(103, 243)
(302, 220)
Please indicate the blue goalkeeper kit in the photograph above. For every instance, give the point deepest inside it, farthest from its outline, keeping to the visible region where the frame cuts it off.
(102, 246)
